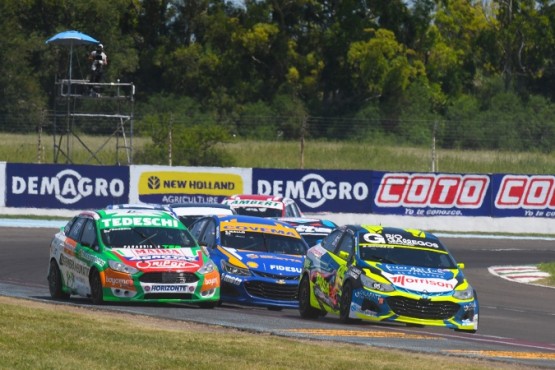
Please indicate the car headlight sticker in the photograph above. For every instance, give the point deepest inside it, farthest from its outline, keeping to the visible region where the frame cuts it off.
(234, 270)
(122, 267)
(374, 285)
(467, 293)
(207, 268)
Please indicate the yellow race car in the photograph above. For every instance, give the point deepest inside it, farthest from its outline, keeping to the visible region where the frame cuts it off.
(389, 274)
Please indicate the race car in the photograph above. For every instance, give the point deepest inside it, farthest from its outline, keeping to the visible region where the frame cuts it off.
(263, 205)
(259, 259)
(388, 274)
(312, 230)
(131, 255)
(189, 212)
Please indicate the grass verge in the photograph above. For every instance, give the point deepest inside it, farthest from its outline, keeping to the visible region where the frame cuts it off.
(38, 335)
(548, 267)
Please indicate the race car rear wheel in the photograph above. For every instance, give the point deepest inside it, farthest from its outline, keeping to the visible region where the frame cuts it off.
(345, 304)
(97, 295)
(55, 282)
(305, 309)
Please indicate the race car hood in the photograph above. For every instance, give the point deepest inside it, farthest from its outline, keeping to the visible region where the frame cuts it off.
(269, 263)
(418, 279)
(157, 260)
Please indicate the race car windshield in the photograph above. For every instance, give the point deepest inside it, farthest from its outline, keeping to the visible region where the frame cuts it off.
(147, 238)
(407, 256)
(258, 211)
(312, 240)
(260, 242)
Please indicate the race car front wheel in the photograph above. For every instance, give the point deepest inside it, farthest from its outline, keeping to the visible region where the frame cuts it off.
(345, 304)
(97, 295)
(305, 309)
(55, 282)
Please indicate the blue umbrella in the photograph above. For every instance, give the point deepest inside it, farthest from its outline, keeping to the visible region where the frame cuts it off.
(70, 38)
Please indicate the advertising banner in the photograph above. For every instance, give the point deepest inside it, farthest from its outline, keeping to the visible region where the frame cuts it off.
(65, 186)
(431, 194)
(523, 196)
(2, 184)
(162, 184)
(317, 190)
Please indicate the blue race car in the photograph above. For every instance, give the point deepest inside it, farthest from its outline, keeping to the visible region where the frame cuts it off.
(380, 273)
(260, 259)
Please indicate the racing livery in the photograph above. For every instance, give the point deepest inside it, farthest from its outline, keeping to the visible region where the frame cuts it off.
(263, 205)
(312, 230)
(380, 273)
(131, 255)
(260, 260)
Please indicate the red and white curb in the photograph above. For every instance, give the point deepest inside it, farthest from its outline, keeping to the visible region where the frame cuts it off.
(520, 274)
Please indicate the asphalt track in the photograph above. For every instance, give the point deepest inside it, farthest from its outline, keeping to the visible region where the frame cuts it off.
(517, 321)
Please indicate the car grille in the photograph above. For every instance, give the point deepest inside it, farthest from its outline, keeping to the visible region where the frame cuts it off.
(276, 276)
(422, 308)
(168, 277)
(282, 292)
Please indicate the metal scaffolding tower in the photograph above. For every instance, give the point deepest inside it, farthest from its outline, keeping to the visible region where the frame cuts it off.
(103, 111)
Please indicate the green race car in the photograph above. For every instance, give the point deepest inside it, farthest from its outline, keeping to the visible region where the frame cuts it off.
(131, 255)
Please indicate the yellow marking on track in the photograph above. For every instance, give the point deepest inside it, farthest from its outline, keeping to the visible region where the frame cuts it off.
(508, 354)
(361, 334)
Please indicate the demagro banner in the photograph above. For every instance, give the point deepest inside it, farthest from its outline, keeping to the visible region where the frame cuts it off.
(317, 190)
(65, 186)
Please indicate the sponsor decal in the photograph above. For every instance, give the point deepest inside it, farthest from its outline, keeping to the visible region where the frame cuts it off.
(238, 203)
(57, 186)
(313, 189)
(268, 229)
(116, 279)
(116, 222)
(252, 264)
(531, 192)
(425, 272)
(231, 279)
(72, 265)
(222, 184)
(432, 190)
(163, 288)
(430, 285)
(168, 264)
(286, 268)
(318, 251)
(312, 229)
(85, 256)
(396, 239)
(211, 281)
(179, 254)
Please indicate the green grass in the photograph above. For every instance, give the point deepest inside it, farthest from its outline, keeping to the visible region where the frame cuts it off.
(287, 154)
(50, 336)
(548, 267)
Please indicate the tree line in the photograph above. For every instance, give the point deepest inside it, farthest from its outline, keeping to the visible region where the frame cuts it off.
(456, 71)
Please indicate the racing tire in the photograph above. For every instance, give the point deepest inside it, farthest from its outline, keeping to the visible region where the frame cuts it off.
(55, 282)
(345, 304)
(209, 305)
(97, 294)
(305, 309)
